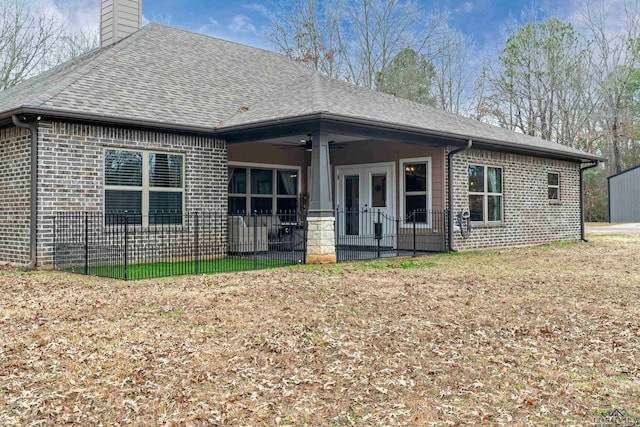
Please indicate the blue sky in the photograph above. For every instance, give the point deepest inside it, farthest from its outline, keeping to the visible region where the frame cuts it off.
(245, 21)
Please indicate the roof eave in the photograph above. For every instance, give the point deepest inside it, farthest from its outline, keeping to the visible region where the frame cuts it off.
(454, 138)
(228, 132)
(548, 152)
(65, 115)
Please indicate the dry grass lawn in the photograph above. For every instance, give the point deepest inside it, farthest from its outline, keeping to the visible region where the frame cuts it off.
(548, 335)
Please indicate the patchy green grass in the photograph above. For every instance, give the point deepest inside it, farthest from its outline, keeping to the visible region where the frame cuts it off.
(549, 246)
(396, 263)
(537, 336)
(180, 268)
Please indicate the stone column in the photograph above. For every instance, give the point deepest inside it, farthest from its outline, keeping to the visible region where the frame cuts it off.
(321, 247)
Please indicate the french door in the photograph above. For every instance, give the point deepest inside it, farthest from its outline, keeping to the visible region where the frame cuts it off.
(366, 203)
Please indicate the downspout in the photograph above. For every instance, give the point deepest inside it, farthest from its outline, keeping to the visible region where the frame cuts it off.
(582, 169)
(450, 195)
(33, 203)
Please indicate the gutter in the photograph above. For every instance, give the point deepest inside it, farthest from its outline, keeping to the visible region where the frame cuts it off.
(33, 203)
(226, 132)
(450, 192)
(349, 120)
(97, 119)
(582, 169)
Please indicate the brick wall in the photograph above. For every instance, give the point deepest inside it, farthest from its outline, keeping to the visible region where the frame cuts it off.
(71, 178)
(71, 170)
(15, 146)
(529, 217)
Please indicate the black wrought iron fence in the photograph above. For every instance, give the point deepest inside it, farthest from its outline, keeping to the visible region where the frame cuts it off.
(130, 246)
(372, 233)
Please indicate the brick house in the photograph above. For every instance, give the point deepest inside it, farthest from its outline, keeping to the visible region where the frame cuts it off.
(239, 129)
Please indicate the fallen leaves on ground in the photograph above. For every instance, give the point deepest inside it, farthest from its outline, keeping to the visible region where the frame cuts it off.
(548, 335)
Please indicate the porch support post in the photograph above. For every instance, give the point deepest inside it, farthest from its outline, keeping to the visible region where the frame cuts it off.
(321, 246)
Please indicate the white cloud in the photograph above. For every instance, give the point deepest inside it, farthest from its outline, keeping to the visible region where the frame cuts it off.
(75, 15)
(258, 7)
(210, 28)
(242, 24)
(83, 16)
(611, 11)
(164, 18)
(467, 7)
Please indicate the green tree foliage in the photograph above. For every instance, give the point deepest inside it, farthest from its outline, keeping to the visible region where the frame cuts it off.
(539, 83)
(596, 200)
(632, 90)
(575, 86)
(629, 148)
(626, 148)
(409, 76)
(357, 41)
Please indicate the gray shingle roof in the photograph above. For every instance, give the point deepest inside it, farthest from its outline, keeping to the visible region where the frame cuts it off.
(159, 74)
(321, 94)
(172, 77)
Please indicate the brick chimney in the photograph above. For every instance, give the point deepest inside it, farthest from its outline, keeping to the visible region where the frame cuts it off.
(118, 19)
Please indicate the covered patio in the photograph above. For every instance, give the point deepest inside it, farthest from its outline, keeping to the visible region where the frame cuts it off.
(363, 189)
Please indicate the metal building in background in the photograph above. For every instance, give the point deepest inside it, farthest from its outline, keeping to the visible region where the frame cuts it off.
(624, 196)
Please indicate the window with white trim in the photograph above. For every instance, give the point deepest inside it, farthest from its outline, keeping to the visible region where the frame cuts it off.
(146, 185)
(553, 184)
(415, 186)
(485, 193)
(263, 190)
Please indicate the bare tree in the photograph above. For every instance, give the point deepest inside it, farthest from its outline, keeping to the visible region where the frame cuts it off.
(615, 60)
(353, 39)
(32, 41)
(25, 40)
(74, 43)
(452, 69)
(539, 83)
(308, 31)
(382, 29)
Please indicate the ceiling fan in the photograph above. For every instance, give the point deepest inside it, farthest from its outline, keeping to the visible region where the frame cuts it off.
(306, 144)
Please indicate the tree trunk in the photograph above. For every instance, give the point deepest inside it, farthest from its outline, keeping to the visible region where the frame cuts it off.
(615, 143)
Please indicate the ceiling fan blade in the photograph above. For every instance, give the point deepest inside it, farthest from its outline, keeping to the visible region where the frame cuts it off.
(288, 147)
(307, 145)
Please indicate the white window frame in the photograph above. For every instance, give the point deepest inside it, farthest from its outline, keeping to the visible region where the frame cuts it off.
(558, 200)
(486, 194)
(427, 193)
(275, 196)
(145, 188)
